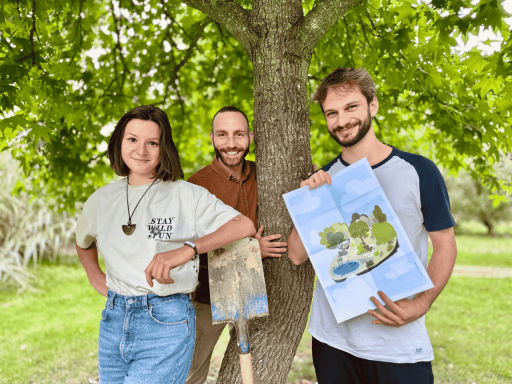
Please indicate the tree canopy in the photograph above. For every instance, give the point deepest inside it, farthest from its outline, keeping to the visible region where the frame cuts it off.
(69, 70)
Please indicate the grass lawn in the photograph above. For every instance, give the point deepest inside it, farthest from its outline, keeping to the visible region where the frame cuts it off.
(484, 251)
(50, 336)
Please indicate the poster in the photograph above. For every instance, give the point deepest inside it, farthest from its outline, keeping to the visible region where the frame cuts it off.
(355, 242)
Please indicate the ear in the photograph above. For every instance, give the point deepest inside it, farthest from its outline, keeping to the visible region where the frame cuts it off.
(374, 106)
(251, 137)
(211, 138)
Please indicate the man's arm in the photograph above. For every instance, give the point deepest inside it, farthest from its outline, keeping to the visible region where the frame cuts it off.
(162, 263)
(439, 269)
(296, 251)
(89, 259)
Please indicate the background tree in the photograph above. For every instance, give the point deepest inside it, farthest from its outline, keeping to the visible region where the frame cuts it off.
(68, 70)
(469, 199)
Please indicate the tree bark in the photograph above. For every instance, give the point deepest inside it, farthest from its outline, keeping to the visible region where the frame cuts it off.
(283, 159)
(280, 42)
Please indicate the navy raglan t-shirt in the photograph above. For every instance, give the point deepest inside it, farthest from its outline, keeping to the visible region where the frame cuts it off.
(417, 192)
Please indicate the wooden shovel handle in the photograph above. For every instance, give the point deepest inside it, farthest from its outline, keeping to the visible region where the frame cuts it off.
(246, 368)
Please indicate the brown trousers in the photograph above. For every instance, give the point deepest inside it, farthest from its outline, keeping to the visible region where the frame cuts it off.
(207, 336)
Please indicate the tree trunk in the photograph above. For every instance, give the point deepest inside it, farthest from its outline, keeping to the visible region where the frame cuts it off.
(283, 160)
(280, 42)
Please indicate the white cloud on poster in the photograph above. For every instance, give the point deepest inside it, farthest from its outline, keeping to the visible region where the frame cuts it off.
(314, 238)
(304, 203)
(352, 294)
(398, 267)
(356, 188)
(356, 204)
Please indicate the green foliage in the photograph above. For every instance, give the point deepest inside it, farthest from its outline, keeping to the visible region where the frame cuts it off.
(358, 229)
(369, 263)
(450, 106)
(376, 253)
(360, 249)
(389, 248)
(333, 236)
(379, 216)
(92, 61)
(383, 232)
(69, 70)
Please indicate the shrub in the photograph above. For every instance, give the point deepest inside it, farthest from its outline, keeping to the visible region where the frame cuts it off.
(29, 229)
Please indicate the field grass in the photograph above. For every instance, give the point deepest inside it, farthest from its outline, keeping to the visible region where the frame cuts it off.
(50, 336)
(484, 251)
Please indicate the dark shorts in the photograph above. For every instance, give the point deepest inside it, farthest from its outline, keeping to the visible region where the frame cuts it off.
(334, 366)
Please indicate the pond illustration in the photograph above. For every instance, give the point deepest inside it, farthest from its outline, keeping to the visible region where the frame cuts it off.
(363, 244)
(345, 268)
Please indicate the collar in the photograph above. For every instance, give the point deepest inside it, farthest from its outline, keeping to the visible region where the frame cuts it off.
(221, 170)
(393, 153)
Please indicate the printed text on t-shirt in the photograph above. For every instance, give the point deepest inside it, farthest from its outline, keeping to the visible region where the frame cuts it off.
(160, 228)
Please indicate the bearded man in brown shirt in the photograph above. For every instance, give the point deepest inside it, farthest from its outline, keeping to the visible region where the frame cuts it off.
(231, 179)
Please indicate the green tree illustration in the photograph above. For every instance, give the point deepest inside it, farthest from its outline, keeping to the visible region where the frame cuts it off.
(334, 236)
(359, 229)
(379, 215)
(383, 232)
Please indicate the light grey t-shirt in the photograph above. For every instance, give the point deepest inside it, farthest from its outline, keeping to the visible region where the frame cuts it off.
(168, 215)
(417, 192)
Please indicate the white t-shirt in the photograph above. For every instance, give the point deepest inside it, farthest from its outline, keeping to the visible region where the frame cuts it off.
(418, 195)
(168, 215)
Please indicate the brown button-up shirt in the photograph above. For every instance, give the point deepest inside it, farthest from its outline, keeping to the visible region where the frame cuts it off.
(240, 194)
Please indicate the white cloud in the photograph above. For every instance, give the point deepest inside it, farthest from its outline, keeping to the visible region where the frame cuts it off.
(314, 238)
(304, 203)
(399, 266)
(355, 204)
(352, 296)
(356, 188)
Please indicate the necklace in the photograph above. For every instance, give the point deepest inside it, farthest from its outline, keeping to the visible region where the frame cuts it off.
(130, 228)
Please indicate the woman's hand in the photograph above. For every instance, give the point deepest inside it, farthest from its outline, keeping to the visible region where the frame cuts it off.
(162, 263)
(99, 283)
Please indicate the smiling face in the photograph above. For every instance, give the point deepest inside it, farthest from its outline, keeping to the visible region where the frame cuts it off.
(348, 115)
(231, 138)
(140, 147)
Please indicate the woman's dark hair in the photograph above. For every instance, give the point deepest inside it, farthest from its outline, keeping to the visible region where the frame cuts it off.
(169, 167)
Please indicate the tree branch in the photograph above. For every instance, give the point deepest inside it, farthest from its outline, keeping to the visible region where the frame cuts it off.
(231, 16)
(32, 54)
(188, 55)
(78, 29)
(118, 48)
(323, 16)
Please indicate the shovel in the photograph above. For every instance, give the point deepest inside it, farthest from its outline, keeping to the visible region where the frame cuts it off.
(238, 293)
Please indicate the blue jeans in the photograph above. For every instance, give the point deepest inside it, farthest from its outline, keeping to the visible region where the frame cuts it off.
(146, 339)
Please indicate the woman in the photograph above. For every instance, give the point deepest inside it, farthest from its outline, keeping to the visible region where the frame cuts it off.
(149, 226)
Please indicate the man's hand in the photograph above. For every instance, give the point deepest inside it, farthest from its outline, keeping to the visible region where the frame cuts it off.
(267, 247)
(401, 312)
(162, 263)
(317, 180)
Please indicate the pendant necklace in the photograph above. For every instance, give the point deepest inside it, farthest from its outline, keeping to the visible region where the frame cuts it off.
(130, 228)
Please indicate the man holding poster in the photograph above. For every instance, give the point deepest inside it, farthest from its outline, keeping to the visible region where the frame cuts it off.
(389, 344)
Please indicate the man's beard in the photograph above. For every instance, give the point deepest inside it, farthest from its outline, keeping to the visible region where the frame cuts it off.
(364, 127)
(231, 162)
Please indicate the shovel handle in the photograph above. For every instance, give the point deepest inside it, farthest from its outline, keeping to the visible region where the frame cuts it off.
(246, 368)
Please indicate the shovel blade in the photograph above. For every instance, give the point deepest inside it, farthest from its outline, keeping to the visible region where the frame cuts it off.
(237, 284)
